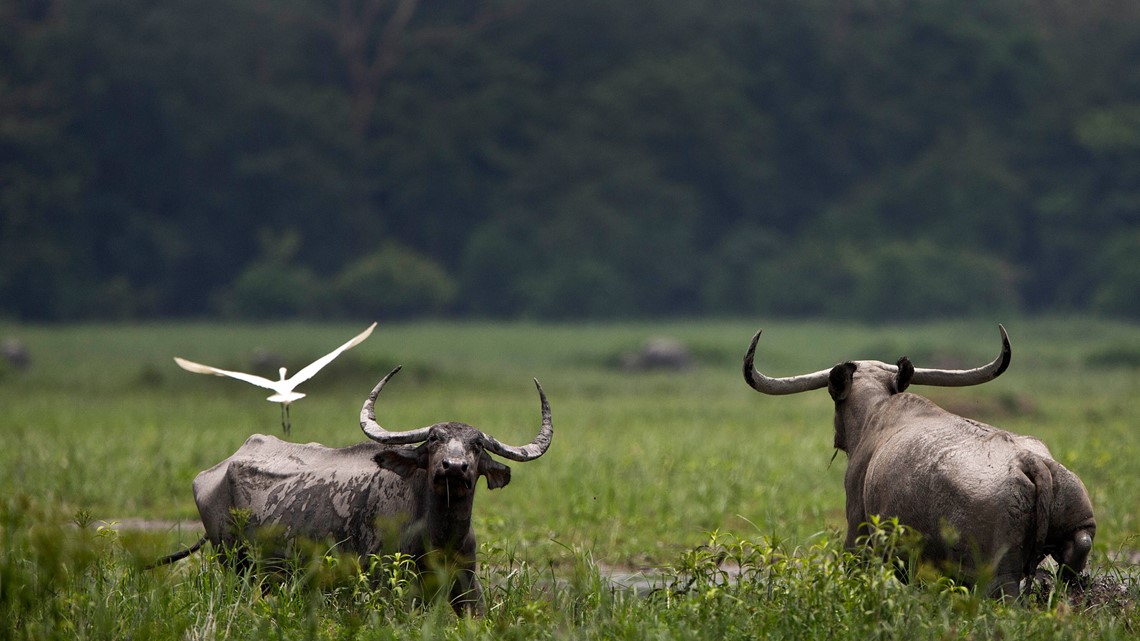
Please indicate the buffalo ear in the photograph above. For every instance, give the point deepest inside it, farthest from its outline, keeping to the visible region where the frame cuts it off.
(839, 380)
(404, 461)
(906, 371)
(497, 474)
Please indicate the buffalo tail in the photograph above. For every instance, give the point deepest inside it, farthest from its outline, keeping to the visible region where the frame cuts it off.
(1042, 477)
(177, 556)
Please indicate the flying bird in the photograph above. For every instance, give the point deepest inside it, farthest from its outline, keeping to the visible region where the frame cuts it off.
(283, 389)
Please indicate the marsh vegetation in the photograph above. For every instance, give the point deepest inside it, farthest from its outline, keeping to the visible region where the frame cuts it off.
(728, 500)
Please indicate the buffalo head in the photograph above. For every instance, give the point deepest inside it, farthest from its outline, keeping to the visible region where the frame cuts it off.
(858, 386)
(454, 455)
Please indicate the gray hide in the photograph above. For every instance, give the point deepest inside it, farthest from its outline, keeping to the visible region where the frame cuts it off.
(309, 491)
(370, 498)
(988, 503)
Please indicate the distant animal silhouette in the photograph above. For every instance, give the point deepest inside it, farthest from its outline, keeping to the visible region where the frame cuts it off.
(283, 389)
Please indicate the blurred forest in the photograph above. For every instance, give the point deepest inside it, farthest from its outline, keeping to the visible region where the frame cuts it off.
(568, 159)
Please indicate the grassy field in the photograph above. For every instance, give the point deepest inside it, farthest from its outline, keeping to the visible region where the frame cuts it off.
(689, 475)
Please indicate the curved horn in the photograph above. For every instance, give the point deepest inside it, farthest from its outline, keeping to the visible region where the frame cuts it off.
(964, 377)
(373, 430)
(779, 386)
(535, 448)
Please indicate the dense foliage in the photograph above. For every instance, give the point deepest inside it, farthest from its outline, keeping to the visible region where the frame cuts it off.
(568, 158)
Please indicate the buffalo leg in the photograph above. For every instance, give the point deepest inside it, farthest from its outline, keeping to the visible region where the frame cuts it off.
(1074, 554)
(467, 593)
(1008, 574)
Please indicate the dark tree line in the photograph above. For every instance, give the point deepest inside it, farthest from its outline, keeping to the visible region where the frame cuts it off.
(568, 158)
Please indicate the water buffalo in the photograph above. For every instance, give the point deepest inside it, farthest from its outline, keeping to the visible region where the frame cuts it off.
(988, 503)
(369, 498)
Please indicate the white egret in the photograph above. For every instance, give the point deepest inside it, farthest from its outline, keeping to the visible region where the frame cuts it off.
(283, 389)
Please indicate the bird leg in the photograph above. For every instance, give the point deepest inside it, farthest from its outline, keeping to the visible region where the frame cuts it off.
(286, 425)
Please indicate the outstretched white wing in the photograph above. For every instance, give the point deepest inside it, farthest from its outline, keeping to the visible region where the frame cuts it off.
(309, 370)
(199, 368)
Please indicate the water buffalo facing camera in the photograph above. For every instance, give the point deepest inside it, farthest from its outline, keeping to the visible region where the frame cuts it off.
(371, 498)
(988, 503)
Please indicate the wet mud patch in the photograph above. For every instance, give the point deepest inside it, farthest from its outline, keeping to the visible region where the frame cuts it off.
(1116, 588)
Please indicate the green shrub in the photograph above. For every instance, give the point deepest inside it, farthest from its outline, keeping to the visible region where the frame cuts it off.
(274, 285)
(270, 290)
(392, 282)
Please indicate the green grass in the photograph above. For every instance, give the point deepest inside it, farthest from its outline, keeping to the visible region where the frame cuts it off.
(644, 467)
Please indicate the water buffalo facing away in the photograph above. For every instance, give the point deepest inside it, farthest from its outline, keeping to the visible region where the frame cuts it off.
(985, 500)
(370, 498)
